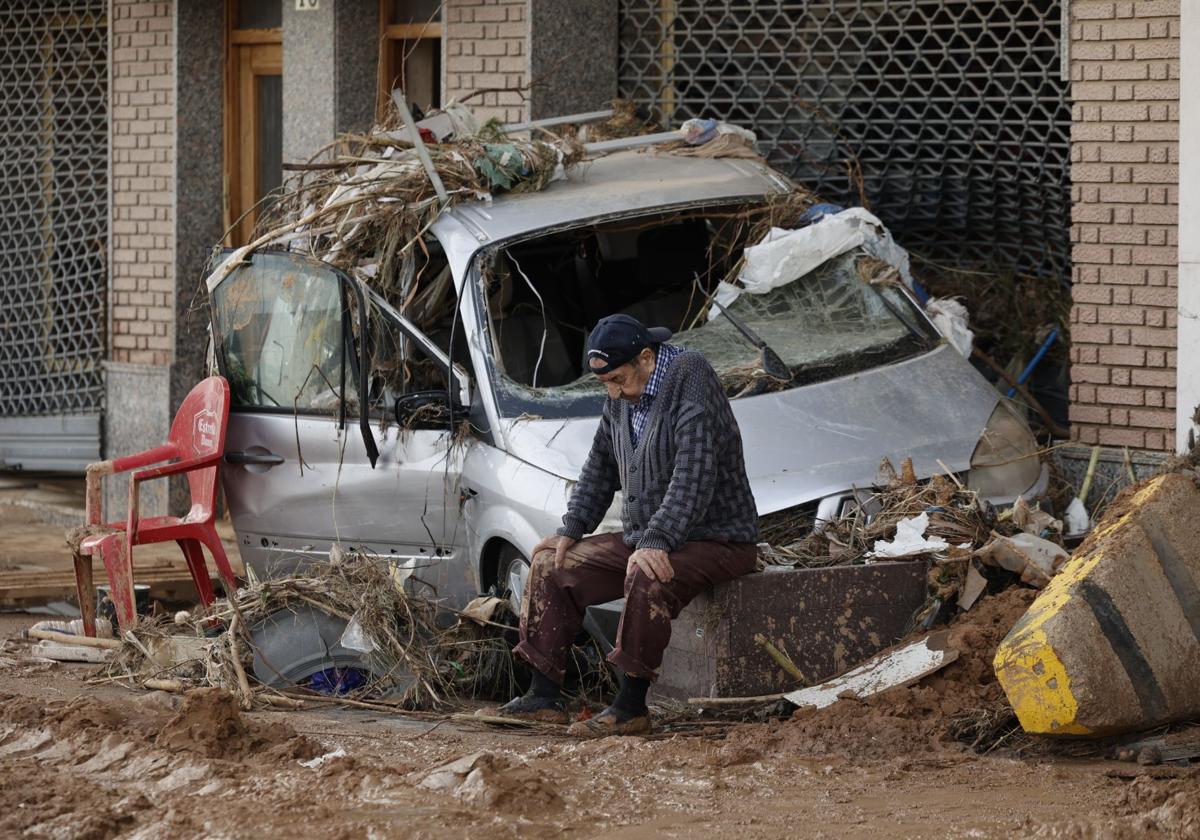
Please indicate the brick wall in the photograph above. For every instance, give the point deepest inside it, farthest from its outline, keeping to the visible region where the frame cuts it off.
(486, 47)
(1125, 175)
(143, 179)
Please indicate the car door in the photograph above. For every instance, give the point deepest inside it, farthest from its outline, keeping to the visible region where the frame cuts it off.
(302, 470)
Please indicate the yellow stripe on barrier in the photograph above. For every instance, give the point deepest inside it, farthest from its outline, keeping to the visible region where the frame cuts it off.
(1029, 670)
(1038, 686)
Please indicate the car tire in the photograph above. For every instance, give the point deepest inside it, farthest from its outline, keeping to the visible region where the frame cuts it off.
(509, 560)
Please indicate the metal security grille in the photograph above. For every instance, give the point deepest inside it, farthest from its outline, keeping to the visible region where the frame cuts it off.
(952, 116)
(53, 221)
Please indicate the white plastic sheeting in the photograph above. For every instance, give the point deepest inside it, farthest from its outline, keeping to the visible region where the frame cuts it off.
(784, 256)
(951, 317)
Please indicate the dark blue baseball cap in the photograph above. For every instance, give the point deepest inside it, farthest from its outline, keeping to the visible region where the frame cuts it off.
(618, 339)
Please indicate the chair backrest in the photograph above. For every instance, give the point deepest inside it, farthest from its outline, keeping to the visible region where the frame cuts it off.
(199, 430)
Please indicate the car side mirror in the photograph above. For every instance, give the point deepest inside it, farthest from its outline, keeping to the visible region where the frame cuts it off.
(427, 410)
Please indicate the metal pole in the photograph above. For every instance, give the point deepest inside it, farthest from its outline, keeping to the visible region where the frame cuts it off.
(631, 142)
(586, 117)
(414, 135)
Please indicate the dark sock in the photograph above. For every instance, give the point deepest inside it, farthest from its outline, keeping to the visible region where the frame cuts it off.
(631, 699)
(543, 686)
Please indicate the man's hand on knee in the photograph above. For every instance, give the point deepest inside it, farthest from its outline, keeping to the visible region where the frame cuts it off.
(556, 543)
(653, 562)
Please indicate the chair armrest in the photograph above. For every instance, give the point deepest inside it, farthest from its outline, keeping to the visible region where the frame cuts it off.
(93, 504)
(144, 459)
(186, 465)
(135, 480)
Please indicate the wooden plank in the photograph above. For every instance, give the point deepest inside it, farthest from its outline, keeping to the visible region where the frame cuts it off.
(895, 668)
(252, 37)
(23, 588)
(412, 31)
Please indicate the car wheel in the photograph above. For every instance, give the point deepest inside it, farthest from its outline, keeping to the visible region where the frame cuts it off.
(510, 562)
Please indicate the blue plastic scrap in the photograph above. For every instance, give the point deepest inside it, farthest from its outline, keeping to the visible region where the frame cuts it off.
(337, 681)
(819, 211)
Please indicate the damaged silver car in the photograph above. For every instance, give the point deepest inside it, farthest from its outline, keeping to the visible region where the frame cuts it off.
(447, 431)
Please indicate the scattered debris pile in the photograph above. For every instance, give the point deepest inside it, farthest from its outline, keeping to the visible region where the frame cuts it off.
(396, 646)
(939, 519)
(960, 704)
(365, 209)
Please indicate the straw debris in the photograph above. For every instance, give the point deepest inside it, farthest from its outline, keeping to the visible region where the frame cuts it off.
(417, 663)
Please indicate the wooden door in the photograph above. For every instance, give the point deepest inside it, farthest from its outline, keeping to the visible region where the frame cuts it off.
(253, 117)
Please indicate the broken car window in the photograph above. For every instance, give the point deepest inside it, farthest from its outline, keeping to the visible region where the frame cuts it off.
(278, 330)
(399, 365)
(542, 295)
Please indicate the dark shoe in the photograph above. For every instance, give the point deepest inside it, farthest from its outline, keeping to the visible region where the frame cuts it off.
(532, 707)
(612, 721)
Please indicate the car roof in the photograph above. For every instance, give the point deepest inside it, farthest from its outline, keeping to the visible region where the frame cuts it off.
(616, 184)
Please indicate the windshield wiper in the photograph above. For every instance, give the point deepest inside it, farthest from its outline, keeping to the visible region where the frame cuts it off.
(772, 364)
(891, 307)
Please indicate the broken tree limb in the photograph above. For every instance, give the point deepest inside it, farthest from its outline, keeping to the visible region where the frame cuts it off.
(1055, 429)
(173, 686)
(281, 702)
(235, 656)
(494, 720)
(734, 701)
(323, 698)
(781, 658)
(68, 639)
(1129, 467)
(1086, 488)
(316, 167)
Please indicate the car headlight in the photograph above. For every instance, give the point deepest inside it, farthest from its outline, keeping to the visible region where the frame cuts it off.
(1005, 461)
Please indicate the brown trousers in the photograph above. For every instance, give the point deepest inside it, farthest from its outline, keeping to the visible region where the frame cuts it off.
(594, 572)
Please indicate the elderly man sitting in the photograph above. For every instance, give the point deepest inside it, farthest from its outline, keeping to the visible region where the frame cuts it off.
(669, 440)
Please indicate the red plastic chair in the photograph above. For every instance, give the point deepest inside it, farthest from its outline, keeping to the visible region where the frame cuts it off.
(195, 445)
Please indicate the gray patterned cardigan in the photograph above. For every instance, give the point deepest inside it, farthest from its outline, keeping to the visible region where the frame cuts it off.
(686, 478)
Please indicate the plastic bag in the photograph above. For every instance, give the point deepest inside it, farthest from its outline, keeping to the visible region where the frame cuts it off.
(355, 638)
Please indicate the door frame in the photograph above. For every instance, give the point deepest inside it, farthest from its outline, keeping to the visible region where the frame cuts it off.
(248, 53)
(404, 33)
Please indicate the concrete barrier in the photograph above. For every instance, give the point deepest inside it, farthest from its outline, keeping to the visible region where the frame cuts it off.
(1113, 643)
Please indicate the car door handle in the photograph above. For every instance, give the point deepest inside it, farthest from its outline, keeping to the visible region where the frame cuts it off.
(267, 458)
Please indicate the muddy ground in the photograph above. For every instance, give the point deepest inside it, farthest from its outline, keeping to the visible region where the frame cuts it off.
(80, 761)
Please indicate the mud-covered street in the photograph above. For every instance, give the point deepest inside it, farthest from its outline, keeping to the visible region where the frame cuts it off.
(99, 761)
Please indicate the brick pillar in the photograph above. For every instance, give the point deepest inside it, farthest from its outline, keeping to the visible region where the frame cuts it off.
(1125, 175)
(142, 260)
(486, 47)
